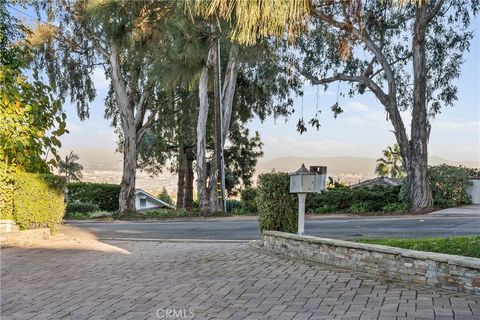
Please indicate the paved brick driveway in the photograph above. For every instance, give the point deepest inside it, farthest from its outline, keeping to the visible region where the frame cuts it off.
(86, 279)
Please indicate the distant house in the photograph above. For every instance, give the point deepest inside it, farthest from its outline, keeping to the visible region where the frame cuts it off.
(145, 201)
(380, 181)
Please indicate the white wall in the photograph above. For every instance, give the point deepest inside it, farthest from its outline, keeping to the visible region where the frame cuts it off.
(149, 204)
(474, 191)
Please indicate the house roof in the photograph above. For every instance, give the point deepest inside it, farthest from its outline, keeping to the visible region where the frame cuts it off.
(152, 198)
(379, 181)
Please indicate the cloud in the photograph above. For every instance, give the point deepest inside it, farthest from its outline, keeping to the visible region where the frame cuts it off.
(456, 126)
(355, 106)
(301, 146)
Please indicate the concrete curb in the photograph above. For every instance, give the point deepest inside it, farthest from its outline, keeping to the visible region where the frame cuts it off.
(175, 240)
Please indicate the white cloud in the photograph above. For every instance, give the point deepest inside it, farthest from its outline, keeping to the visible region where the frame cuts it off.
(301, 146)
(456, 126)
(355, 106)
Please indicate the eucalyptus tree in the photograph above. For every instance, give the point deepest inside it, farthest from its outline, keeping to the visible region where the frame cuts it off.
(407, 56)
(126, 39)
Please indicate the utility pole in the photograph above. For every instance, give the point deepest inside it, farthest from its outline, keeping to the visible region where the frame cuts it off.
(221, 201)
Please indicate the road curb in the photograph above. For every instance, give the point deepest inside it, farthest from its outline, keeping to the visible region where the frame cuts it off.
(175, 240)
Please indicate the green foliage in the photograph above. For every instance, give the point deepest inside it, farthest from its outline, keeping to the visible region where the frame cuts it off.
(81, 207)
(396, 207)
(277, 208)
(391, 164)
(362, 206)
(233, 206)
(30, 119)
(38, 200)
(102, 194)
(70, 168)
(324, 209)
(462, 246)
(77, 215)
(361, 199)
(166, 214)
(449, 185)
(165, 197)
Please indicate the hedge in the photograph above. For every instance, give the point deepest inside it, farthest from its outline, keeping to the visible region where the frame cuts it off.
(80, 207)
(38, 200)
(362, 199)
(277, 208)
(104, 195)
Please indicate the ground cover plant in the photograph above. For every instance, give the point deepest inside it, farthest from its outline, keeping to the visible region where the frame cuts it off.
(468, 246)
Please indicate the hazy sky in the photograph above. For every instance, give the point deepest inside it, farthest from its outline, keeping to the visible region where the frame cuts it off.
(362, 130)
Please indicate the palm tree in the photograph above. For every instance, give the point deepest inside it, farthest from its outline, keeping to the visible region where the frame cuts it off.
(258, 18)
(391, 165)
(71, 168)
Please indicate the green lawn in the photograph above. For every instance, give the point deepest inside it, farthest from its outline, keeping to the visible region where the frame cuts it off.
(468, 246)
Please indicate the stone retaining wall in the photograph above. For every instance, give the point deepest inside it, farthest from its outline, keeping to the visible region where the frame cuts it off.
(450, 272)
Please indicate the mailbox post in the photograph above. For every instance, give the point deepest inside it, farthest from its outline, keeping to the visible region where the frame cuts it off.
(305, 181)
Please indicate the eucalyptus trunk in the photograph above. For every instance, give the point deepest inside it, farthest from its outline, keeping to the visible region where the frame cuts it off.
(202, 140)
(417, 164)
(188, 198)
(127, 186)
(181, 179)
(228, 93)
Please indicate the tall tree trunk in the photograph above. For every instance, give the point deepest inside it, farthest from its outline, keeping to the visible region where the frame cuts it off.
(420, 191)
(127, 186)
(202, 134)
(181, 179)
(212, 186)
(126, 199)
(189, 157)
(228, 91)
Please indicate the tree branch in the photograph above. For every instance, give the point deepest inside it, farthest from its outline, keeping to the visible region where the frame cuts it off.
(141, 131)
(382, 96)
(140, 108)
(432, 13)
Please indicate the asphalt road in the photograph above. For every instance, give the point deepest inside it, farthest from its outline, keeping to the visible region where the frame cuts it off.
(340, 228)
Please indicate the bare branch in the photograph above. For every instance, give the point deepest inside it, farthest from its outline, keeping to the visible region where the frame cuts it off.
(382, 96)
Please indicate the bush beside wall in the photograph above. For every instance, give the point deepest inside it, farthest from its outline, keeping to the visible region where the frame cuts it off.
(38, 200)
(104, 195)
(449, 185)
(277, 208)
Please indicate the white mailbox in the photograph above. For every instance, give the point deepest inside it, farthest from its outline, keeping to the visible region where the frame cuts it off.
(305, 181)
(308, 181)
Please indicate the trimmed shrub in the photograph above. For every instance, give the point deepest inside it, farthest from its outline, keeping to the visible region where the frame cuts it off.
(361, 199)
(449, 185)
(38, 200)
(277, 208)
(104, 195)
(233, 205)
(82, 207)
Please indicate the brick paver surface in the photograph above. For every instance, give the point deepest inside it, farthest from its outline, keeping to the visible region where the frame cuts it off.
(139, 280)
